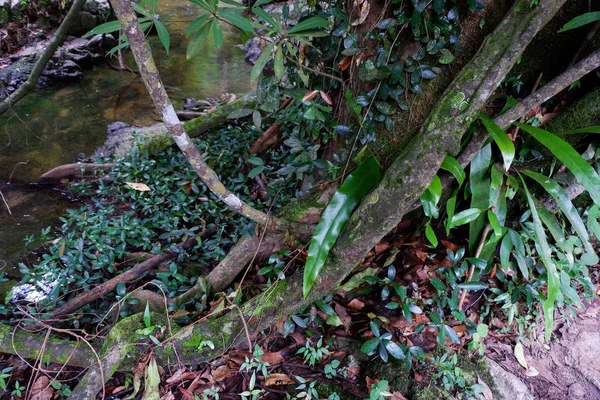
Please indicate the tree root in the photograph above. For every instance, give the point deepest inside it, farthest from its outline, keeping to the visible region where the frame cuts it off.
(72, 171)
(127, 276)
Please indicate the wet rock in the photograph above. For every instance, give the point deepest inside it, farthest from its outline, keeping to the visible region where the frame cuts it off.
(507, 385)
(251, 49)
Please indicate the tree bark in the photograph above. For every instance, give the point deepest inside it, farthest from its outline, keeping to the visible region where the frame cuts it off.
(35, 74)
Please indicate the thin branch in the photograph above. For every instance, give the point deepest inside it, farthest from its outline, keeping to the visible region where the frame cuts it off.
(35, 74)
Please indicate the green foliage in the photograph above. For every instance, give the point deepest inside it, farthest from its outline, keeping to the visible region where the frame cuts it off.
(382, 344)
(5, 375)
(335, 216)
(581, 20)
(313, 355)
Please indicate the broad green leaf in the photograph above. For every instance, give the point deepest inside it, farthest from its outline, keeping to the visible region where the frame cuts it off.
(196, 24)
(561, 197)
(394, 350)
(464, 217)
(278, 63)
(309, 24)
(217, 33)
(430, 234)
(213, 4)
(494, 223)
(202, 4)
(586, 129)
(237, 20)
(370, 346)
(262, 14)
(473, 285)
(451, 334)
(450, 208)
(431, 197)
(451, 165)
(197, 42)
(147, 320)
(581, 20)
(335, 216)
(240, 113)
(506, 146)
(261, 62)
(107, 27)
(546, 256)
(480, 191)
(519, 253)
(163, 35)
(584, 172)
(554, 228)
(261, 2)
(152, 381)
(141, 10)
(505, 249)
(118, 47)
(234, 3)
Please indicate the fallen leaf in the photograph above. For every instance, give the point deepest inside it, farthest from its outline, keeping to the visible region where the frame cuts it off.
(381, 247)
(519, 354)
(356, 304)
(531, 371)
(187, 394)
(365, 8)
(343, 314)
(397, 396)
(220, 373)
(41, 389)
(310, 95)
(272, 357)
(140, 187)
(345, 63)
(278, 380)
(449, 245)
(487, 392)
(326, 97)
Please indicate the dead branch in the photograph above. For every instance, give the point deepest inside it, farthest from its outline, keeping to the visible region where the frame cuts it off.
(127, 276)
(72, 171)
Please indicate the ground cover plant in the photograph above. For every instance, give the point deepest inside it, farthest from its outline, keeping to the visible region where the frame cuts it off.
(480, 260)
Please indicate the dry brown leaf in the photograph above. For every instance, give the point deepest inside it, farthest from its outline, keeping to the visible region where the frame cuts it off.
(118, 389)
(325, 97)
(381, 247)
(365, 8)
(187, 394)
(310, 95)
(345, 63)
(221, 373)
(397, 396)
(343, 314)
(272, 357)
(168, 396)
(41, 389)
(278, 380)
(140, 187)
(356, 304)
(449, 245)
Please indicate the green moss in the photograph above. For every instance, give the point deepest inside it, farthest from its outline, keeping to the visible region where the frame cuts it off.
(326, 388)
(584, 112)
(294, 211)
(431, 393)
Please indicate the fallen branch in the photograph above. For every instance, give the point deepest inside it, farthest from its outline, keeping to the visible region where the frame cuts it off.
(268, 139)
(72, 171)
(39, 66)
(127, 276)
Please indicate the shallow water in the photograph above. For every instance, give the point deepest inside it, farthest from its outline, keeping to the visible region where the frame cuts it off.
(52, 127)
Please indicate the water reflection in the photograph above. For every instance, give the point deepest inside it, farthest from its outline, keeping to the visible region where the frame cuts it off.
(52, 127)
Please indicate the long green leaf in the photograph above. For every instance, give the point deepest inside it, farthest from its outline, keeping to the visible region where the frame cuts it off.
(278, 66)
(309, 24)
(581, 20)
(480, 191)
(197, 42)
(466, 216)
(107, 27)
(217, 33)
(585, 129)
(506, 146)
(335, 216)
(451, 165)
(561, 197)
(163, 35)
(584, 172)
(546, 256)
(262, 14)
(261, 62)
(196, 24)
(237, 20)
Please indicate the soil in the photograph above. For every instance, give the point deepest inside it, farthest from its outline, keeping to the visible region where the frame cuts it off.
(570, 368)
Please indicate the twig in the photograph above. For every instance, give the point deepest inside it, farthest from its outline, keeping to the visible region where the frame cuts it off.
(5, 202)
(484, 234)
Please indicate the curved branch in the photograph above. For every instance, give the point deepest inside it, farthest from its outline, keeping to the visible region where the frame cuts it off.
(35, 74)
(156, 88)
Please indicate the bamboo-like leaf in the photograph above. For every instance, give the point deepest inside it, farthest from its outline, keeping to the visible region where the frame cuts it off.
(261, 62)
(197, 41)
(506, 146)
(546, 256)
(581, 20)
(480, 191)
(585, 129)
(163, 35)
(451, 165)
(278, 63)
(309, 24)
(561, 197)
(217, 33)
(584, 172)
(237, 20)
(335, 216)
(430, 234)
(196, 24)
(107, 27)
(262, 14)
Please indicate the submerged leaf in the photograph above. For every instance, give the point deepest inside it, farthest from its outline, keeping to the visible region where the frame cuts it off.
(335, 216)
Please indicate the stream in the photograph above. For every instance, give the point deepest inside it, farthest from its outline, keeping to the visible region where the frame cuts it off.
(54, 126)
